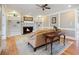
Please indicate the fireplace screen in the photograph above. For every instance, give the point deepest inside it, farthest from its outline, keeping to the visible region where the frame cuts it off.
(27, 30)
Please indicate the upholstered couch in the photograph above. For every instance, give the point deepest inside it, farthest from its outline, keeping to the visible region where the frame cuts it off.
(37, 38)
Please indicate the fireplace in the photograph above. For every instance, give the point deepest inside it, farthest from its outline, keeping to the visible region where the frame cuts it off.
(27, 29)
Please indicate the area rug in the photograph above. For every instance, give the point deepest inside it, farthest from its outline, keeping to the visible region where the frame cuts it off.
(25, 49)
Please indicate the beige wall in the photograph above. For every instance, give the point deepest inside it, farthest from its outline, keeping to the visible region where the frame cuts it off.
(45, 21)
(67, 19)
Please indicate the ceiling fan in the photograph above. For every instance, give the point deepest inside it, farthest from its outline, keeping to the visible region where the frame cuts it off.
(43, 6)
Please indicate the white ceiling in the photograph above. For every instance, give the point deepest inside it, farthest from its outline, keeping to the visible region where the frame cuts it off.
(34, 10)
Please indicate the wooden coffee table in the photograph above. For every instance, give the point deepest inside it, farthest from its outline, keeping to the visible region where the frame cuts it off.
(51, 37)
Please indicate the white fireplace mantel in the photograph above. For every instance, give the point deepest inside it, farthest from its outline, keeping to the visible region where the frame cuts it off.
(28, 23)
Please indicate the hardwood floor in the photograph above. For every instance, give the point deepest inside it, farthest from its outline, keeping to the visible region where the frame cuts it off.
(73, 49)
(12, 49)
(11, 46)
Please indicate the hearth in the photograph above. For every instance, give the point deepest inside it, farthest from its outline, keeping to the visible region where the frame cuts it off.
(27, 29)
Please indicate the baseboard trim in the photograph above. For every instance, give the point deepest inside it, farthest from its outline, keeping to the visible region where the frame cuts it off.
(12, 36)
(68, 29)
(69, 37)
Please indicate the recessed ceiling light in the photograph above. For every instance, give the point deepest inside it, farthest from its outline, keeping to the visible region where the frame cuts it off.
(39, 16)
(69, 6)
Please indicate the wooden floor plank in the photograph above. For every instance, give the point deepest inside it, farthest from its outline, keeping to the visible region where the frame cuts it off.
(73, 49)
(11, 46)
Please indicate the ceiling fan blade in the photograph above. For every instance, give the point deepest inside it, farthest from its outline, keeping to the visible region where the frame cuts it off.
(43, 6)
(47, 7)
(38, 5)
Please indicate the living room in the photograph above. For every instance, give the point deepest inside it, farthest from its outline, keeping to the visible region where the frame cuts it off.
(24, 23)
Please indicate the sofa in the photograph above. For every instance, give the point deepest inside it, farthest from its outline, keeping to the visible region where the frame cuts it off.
(37, 38)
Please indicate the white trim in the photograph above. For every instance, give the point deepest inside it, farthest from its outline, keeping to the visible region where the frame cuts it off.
(59, 20)
(68, 29)
(13, 35)
(76, 23)
(69, 37)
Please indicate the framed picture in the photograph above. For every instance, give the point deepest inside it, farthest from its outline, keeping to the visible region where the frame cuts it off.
(28, 18)
(53, 20)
